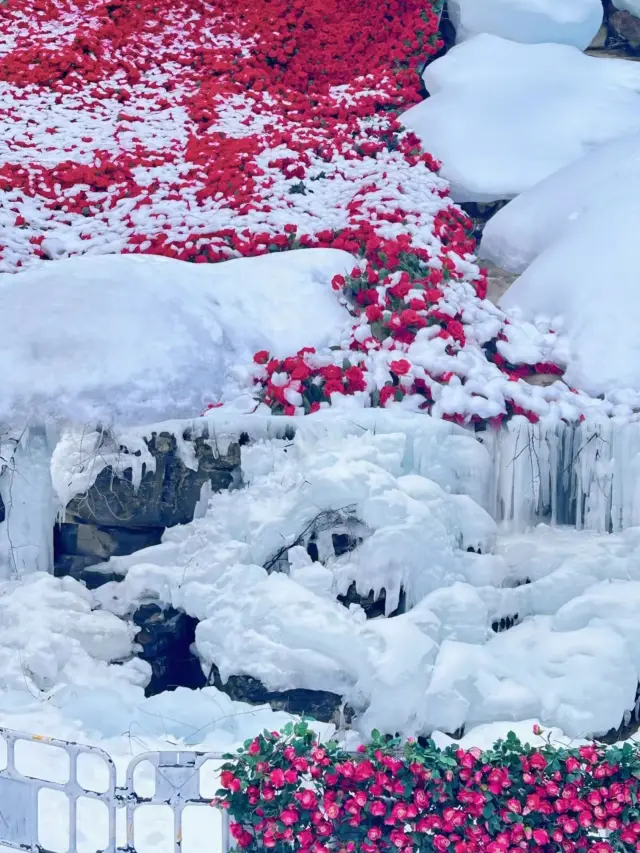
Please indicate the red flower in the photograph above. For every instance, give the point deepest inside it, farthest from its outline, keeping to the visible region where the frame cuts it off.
(337, 282)
(373, 313)
(261, 357)
(538, 761)
(229, 780)
(400, 367)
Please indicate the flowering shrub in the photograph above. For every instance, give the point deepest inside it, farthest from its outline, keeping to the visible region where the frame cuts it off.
(287, 792)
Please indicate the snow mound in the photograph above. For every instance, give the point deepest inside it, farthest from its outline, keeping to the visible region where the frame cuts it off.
(585, 280)
(52, 635)
(503, 116)
(137, 339)
(568, 657)
(530, 223)
(573, 22)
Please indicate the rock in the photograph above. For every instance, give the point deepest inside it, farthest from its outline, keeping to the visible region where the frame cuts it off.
(600, 39)
(77, 547)
(481, 214)
(542, 380)
(113, 518)
(624, 32)
(3, 513)
(166, 496)
(166, 638)
(319, 704)
(498, 281)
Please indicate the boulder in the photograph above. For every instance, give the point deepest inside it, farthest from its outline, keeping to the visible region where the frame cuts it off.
(166, 637)
(318, 704)
(114, 518)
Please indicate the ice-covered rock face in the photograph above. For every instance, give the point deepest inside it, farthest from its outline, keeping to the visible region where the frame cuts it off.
(503, 116)
(511, 633)
(573, 22)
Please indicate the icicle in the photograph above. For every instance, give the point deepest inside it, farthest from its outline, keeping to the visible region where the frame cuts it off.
(26, 536)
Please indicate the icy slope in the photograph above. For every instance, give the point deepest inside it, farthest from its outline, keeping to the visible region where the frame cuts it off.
(503, 116)
(136, 339)
(572, 22)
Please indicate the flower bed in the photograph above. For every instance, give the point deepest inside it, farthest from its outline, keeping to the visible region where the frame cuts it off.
(287, 792)
(208, 131)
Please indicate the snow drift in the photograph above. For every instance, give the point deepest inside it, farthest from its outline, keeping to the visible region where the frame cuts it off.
(502, 116)
(140, 339)
(530, 223)
(573, 22)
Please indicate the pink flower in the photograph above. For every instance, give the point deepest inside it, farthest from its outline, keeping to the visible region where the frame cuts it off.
(541, 837)
(289, 817)
(277, 778)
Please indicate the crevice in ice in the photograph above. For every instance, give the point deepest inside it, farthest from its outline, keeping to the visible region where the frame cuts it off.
(500, 625)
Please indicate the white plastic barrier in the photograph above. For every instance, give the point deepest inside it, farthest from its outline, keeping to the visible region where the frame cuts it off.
(177, 784)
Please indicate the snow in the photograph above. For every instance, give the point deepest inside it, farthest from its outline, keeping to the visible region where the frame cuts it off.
(586, 279)
(632, 6)
(568, 661)
(503, 116)
(530, 223)
(573, 22)
(136, 339)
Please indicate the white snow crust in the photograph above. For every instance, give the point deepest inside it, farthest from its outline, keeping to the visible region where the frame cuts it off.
(503, 116)
(139, 339)
(573, 22)
(520, 231)
(586, 279)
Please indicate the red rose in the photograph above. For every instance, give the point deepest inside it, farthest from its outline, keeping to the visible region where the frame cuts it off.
(400, 367)
(333, 386)
(261, 357)
(373, 313)
(337, 282)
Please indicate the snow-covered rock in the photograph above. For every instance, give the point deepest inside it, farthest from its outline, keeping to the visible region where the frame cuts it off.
(586, 280)
(530, 223)
(143, 338)
(572, 22)
(502, 116)
(632, 6)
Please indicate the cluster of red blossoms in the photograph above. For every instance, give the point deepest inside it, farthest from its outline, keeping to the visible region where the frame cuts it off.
(286, 792)
(206, 131)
